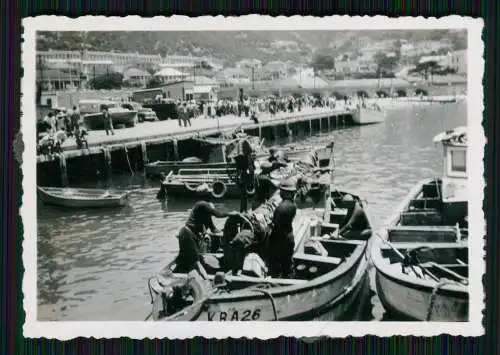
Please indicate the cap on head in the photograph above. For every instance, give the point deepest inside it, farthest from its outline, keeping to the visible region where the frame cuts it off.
(288, 185)
(348, 197)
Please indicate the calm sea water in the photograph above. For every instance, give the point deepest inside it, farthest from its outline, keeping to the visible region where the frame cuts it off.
(94, 265)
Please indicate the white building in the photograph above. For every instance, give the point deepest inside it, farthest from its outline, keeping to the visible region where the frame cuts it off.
(170, 75)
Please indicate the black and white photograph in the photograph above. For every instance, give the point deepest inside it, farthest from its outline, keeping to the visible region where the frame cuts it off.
(252, 169)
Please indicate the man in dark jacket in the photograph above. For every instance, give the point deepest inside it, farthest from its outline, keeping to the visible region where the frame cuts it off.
(282, 242)
(191, 233)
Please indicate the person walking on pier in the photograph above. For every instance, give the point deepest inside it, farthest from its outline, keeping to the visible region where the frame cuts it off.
(108, 121)
(75, 121)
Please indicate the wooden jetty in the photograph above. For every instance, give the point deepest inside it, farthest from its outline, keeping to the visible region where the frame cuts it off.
(130, 149)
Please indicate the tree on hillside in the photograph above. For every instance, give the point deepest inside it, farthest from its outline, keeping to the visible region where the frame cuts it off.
(109, 81)
(385, 64)
(322, 62)
(431, 68)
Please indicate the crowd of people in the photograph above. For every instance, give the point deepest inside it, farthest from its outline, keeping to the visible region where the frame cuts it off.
(56, 127)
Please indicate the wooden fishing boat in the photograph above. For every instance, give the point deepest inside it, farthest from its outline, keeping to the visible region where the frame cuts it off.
(214, 153)
(329, 274)
(82, 198)
(421, 255)
(368, 115)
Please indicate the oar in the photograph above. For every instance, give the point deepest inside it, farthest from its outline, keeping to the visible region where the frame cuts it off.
(389, 244)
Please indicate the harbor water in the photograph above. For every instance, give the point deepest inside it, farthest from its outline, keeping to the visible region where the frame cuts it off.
(93, 265)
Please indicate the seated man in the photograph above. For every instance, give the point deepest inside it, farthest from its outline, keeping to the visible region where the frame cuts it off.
(191, 234)
(357, 225)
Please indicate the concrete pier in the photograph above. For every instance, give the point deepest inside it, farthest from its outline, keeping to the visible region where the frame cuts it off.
(129, 149)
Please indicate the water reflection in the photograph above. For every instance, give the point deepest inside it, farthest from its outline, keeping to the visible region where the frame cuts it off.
(94, 264)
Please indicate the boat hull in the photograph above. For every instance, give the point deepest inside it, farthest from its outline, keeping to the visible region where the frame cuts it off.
(158, 167)
(180, 189)
(80, 198)
(330, 299)
(367, 116)
(415, 298)
(410, 302)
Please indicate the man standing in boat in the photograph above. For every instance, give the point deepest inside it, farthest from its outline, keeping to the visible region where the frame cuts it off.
(191, 234)
(281, 244)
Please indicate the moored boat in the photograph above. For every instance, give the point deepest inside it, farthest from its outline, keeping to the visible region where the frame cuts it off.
(214, 154)
(329, 272)
(368, 115)
(82, 197)
(421, 255)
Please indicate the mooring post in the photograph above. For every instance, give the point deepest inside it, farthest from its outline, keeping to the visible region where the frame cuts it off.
(62, 167)
(260, 131)
(176, 149)
(144, 150)
(320, 124)
(107, 159)
(310, 127)
(329, 123)
(275, 132)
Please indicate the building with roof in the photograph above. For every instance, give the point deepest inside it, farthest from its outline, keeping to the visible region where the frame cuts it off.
(135, 76)
(274, 70)
(169, 75)
(232, 76)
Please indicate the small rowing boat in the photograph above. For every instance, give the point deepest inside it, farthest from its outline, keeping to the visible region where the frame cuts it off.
(82, 198)
(421, 255)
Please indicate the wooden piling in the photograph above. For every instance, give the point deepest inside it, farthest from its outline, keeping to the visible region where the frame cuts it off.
(144, 151)
(63, 169)
(176, 149)
(320, 124)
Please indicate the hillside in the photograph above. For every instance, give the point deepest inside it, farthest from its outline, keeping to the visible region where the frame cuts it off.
(296, 46)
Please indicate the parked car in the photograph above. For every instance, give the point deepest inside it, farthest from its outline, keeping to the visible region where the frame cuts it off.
(143, 113)
(91, 111)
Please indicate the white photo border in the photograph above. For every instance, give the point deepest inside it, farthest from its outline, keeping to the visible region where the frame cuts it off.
(63, 330)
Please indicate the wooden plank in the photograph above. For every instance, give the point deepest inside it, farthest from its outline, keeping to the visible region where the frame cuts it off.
(432, 245)
(422, 233)
(421, 218)
(315, 258)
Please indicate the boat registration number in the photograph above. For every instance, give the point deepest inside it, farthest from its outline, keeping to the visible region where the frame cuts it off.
(234, 315)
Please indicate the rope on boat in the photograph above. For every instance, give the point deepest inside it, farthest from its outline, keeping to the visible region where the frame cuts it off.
(271, 298)
(432, 301)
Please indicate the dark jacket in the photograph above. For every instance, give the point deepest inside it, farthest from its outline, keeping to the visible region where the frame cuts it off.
(283, 216)
(200, 217)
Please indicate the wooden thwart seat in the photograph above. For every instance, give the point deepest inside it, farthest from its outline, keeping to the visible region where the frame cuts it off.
(408, 233)
(317, 259)
(338, 216)
(421, 218)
